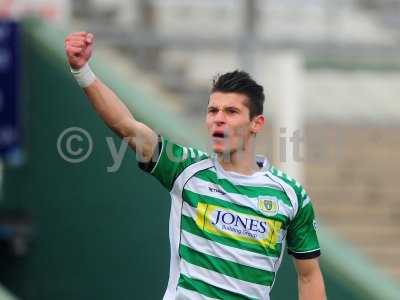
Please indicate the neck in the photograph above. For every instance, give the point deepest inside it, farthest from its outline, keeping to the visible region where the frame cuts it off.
(242, 162)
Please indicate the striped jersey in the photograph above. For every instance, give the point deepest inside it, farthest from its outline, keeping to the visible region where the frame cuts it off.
(228, 231)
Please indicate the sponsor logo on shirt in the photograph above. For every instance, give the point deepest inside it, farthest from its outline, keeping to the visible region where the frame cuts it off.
(268, 205)
(242, 227)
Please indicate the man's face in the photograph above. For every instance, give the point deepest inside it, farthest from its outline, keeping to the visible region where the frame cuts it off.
(228, 122)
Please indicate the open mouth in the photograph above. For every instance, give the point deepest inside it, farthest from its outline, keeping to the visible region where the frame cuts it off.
(219, 135)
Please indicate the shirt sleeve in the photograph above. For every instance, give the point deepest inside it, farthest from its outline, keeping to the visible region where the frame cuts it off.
(169, 160)
(302, 240)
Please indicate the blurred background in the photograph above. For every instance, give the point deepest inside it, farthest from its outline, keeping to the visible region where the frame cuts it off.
(87, 228)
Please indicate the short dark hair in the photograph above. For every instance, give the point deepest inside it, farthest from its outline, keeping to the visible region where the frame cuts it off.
(241, 82)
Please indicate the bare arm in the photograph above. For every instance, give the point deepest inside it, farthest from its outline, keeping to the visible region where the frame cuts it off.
(116, 115)
(310, 281)
(110, 108)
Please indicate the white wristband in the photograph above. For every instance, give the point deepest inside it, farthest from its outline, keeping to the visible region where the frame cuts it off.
(84, 76)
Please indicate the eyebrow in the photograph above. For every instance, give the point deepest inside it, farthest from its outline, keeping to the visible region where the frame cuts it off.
(232, 107)
(224, 108)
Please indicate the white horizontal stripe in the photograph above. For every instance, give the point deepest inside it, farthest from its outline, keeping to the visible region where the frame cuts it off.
(232, 254)
(189, 172)
(257, 179)
(184, 294)
(251, 290)
(306, 201)
(188, 211)
(202, 187)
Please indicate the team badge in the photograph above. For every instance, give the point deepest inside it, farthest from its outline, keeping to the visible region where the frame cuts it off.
(268, 205)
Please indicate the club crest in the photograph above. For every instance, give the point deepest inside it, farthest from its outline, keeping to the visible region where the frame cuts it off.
(268, 205)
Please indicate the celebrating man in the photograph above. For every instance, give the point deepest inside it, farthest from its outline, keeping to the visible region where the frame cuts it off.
(231, 213)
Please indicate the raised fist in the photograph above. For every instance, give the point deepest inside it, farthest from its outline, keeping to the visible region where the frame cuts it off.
(78, 47)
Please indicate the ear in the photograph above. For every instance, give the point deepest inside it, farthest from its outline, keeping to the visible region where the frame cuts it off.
(257, 123)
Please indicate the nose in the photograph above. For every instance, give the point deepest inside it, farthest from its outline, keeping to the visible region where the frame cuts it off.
(219, 117)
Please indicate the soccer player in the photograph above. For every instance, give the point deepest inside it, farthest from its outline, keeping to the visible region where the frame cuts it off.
(231, 213)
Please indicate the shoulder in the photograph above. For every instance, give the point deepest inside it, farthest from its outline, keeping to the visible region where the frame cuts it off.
(180, 157)
(171, 161)
(186, 154)
(293, 188)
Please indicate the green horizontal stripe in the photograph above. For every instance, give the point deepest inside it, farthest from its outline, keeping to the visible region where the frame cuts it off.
(249, 191)
(208, 290)
(189, 225)
(225, 267)
(193, 199)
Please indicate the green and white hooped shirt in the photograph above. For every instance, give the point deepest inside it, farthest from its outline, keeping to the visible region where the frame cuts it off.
(228, 231)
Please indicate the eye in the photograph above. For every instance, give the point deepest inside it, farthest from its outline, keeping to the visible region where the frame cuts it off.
(212, 110)
(231, 111)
